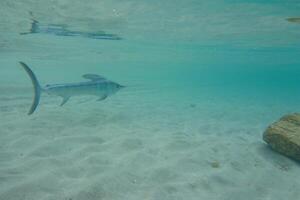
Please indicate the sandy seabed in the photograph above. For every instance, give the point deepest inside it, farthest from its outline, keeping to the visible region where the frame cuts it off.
(144, 147)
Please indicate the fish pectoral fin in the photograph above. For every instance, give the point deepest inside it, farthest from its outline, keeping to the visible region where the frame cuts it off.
(102, 98)
(65, 99)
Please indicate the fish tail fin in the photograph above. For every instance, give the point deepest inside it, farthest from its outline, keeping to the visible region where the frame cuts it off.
(36, 87)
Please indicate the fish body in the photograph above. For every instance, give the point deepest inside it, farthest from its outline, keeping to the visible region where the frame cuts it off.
(97, 86)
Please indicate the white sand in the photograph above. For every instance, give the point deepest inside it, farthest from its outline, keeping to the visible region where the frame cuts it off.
(149, 144)
(141, 147)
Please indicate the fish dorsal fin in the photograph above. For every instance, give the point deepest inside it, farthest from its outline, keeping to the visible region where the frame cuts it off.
(93, 77)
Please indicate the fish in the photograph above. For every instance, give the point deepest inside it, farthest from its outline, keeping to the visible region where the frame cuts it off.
(96, 85)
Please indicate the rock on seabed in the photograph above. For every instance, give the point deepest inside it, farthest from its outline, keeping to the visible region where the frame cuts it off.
(294, 19)
(284, 136)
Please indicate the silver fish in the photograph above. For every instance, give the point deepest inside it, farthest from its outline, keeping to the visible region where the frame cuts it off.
(97, 86)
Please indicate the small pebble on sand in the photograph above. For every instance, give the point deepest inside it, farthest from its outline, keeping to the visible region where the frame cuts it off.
(193, 105)
(215, 164)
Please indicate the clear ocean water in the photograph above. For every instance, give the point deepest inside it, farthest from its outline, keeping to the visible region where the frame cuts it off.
(203, 79)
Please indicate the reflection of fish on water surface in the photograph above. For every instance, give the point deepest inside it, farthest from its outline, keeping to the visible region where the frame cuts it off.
(61, 30)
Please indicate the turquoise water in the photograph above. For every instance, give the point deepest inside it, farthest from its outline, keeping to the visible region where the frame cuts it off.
(204, 79)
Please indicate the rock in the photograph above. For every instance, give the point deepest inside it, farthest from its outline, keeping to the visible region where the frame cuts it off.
(294, 19)
(284, 136)
(215, 164)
